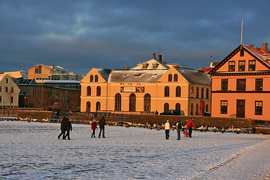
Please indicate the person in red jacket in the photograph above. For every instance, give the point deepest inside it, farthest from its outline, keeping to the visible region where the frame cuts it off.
(93, 127)
(190, 124)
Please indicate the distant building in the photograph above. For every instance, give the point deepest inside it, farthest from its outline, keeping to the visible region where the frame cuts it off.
(9, 92)
(240, 84)
(17, 74)
(150, 86)
(42, 73)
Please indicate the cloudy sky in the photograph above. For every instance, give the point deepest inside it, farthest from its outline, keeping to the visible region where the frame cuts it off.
(79, 35)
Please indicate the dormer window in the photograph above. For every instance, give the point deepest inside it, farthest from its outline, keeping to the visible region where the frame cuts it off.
(144, 65)
(155, 65)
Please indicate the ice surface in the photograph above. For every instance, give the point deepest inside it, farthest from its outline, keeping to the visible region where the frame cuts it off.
(32, 151)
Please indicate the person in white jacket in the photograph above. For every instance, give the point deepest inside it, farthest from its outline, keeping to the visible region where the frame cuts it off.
(167, 129)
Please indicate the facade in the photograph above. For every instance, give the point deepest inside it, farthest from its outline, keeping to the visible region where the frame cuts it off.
(142, 90)
(42, 73)
(9, 92)
(241, 84)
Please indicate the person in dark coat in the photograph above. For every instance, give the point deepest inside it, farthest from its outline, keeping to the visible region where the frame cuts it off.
(62, 128)
(68, 128)
(93, 127)
(102, 127)
(178, 128)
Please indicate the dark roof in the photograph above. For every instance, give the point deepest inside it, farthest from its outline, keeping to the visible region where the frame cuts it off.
(150, 76)
(206, 69)
(194, 76)
(104, 73)
(24, 81)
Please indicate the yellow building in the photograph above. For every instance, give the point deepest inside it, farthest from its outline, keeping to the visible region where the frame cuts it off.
(146, 90)
(9, 92)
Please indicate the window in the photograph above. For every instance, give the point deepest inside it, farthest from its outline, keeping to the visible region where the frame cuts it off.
(147, 102)
(88, 105)
(6, 89)
(177, 107)
(11, 99)
(96, 78)
(242, 52)
(251, 65)
(175, 78)
(191, 109)
(197, 93)
(98, 91)
(145, 65)
(241, 66)
(223, 107)
(132, 102)
(206, 108)
(207, 93)
(36, 71)
(224, 84)
(178, 91)
(0, 88)
(0, 98)
(88, 91)
(191, 91)
(170, 78)
(166, 91)
(155, 65)
(166, 107)
(241, 84)
(258, 107)
(91, 78)
(197, 109)
(231, 66)
(98, 106)
(118, 102)
(202, 92)
(259, 85)
(6, 80)
(12, 89)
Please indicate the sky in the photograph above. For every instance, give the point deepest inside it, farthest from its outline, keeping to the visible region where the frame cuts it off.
(80, 35)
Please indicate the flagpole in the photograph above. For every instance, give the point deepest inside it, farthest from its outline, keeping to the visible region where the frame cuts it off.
(242, 31)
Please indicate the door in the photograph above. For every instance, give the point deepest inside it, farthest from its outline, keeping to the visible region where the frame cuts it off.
(240, 112)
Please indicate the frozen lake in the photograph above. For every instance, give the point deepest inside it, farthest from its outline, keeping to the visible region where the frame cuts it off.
(32, 151)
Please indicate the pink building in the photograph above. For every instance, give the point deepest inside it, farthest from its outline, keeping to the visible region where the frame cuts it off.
(241, 84)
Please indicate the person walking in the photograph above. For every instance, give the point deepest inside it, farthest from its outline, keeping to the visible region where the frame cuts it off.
(68, 128)
(167, 129)
(93, 127)
(178, 128)
(102, 127)
(190, 124)
(62, 128)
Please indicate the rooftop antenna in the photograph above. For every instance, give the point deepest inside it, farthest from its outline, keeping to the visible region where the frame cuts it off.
(242, 31)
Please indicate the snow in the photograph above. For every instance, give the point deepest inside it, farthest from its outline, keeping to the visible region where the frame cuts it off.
(32, 151)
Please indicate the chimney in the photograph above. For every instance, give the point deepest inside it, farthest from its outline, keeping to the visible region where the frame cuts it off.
(154, 55)
(127, 67)
(160, 58)
(251, 45)
(265, 48)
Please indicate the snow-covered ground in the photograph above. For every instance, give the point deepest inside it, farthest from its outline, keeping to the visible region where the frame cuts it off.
(32, 151)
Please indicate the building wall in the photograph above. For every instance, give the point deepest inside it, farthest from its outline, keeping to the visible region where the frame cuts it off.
(250, 95)
(8, 83)
(155, 90)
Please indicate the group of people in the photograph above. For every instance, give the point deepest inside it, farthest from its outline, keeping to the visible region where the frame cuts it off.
(65, 128)
(178, 126)
(101, 128)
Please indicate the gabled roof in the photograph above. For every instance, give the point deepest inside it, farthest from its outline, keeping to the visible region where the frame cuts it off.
(104, 73)
(257, 53)
(149, 76)
(194, 76)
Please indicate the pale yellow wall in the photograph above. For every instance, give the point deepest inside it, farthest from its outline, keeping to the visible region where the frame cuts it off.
(6, 96)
